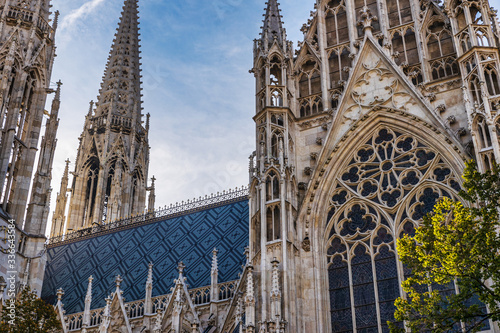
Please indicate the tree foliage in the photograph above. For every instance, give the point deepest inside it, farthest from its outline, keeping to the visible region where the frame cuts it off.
(30, 315)
(457, 246)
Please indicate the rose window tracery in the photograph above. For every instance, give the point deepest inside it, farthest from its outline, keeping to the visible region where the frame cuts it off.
(391, 181)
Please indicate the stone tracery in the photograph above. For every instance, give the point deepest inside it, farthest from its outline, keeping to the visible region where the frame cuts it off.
(389, 184)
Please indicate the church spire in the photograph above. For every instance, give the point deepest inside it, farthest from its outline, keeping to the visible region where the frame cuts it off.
(273, 26)
(111, 168)
(120, 91)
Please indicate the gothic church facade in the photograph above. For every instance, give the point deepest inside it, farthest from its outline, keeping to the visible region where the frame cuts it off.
(27, 51)
(358, 133)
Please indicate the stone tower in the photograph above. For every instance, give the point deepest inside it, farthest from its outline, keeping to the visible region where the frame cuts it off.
(111, 168)
(273, 200)
(27, 53)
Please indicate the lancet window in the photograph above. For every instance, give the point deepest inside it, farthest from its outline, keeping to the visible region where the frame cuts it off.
(389, 184)
(339, 63)
(475, 14)
(460, 16)
(273, 222)
(491, 78)
(482, 36)
(484, 133)
(404, 46)
(399, 12)
(475, 89)
(336, 23)
(272, 186)
(276, 137)
(309, 89)
(275, 72)
(92, 177)
(309, 81)
(440, 51)
(135, 193)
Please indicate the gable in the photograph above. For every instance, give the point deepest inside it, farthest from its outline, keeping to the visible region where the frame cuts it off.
(378, 83)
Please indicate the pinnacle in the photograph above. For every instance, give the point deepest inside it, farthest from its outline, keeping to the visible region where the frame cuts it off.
(273, 24)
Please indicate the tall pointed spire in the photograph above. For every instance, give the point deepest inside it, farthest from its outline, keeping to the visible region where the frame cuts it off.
(114, 148)
(273, 26)
(120, 91)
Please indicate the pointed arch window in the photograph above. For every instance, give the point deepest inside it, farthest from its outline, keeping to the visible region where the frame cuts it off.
(475, 90)
(272, 186)
(277, 119)
(339, 63)
(404, 45)
(276, 137)
(399, 12)
(276, 98)
(476, 15)
(491, 78)
(135, 193)
(439, 40)
(273, 220)
(92, 177)
(390, 172)
(460, 18)
(465, 43)
(275, 72)
(309, 81)
(256, 232)
(484, 133)
(337, 31)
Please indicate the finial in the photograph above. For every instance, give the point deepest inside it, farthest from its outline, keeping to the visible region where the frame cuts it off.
(214, 260)
(118, 280)
(247, 254)
(60, 293)
(150, 273)
(91, 107)
(366, 19)
(58, 90)
(181, 267)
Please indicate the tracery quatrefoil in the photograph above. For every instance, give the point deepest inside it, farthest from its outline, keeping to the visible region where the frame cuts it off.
(389, 165)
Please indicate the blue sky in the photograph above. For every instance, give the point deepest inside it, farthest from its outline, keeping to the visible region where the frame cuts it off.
(196, 56)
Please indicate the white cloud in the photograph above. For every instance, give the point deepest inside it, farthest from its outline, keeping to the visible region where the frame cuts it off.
(81, 12)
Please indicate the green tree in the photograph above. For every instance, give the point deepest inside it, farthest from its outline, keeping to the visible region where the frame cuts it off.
(456, 246)
(31, 315)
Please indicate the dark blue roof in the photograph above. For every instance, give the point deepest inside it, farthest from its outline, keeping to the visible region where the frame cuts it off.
(188, 237)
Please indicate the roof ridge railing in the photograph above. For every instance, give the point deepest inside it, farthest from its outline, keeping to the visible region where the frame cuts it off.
(166, 211)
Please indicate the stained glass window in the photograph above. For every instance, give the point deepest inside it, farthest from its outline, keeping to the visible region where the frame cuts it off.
(389, 184)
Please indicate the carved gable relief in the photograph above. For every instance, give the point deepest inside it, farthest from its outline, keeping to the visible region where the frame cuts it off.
(118, 320)
(377, 83)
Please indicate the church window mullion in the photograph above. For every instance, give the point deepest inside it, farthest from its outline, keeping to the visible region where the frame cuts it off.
(375, 290)
(351, 291)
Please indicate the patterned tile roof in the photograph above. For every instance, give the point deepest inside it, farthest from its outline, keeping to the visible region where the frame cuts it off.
(188, 237)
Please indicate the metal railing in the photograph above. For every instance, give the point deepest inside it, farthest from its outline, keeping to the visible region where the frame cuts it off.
(161, 213)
